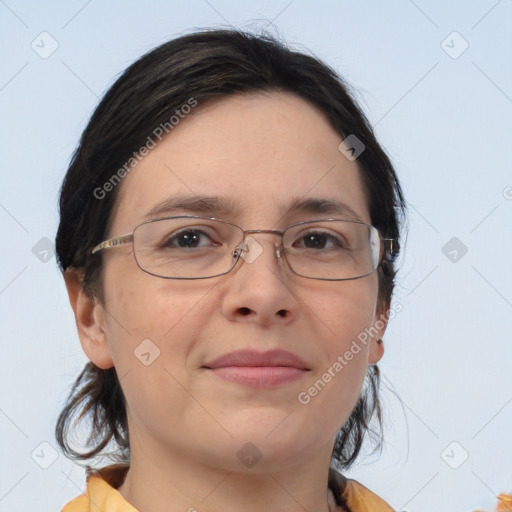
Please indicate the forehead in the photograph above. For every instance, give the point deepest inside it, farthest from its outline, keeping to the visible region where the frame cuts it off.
(257, 153)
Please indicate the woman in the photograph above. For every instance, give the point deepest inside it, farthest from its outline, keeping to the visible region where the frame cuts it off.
(229, 227)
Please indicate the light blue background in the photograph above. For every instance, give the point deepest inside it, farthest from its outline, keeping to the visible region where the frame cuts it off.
(446, 124)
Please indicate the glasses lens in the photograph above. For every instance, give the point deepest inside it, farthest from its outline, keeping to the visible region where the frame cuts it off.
(332, 249)
(186, 248)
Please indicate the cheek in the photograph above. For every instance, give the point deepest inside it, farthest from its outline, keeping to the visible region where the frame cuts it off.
(346, 350)
(152, 325)
(342, 315)
(141, 307)
(343, 312)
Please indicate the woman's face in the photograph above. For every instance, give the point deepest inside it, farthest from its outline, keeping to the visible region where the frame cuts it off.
(260, 152)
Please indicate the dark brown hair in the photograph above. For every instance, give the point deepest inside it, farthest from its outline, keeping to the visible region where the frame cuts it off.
(205, 66)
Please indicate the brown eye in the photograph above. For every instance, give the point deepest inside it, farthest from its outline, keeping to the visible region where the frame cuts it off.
(320, 240)
(188, 239)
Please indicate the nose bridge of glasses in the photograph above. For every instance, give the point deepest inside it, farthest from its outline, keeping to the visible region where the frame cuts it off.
(277, 244)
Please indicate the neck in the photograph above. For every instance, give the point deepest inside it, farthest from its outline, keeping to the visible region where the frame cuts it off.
(175, 483)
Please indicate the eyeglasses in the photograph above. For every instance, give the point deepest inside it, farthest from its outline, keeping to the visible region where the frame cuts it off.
(194, 247)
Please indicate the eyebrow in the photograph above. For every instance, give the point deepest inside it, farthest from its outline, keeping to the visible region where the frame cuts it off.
(221, 206)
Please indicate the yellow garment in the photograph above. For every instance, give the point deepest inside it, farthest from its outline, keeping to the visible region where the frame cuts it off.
(361, 499)
(100, 496)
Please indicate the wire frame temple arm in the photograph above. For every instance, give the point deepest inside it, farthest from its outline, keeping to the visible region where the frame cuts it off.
(113, 242)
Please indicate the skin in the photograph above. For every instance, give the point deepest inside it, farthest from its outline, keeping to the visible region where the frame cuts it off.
(187, 425)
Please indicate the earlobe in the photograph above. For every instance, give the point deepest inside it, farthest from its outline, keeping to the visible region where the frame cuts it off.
(376, 351)
(377, 343)
(90, 320)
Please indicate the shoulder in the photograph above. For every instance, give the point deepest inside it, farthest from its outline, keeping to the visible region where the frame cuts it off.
(360, 499)
(352, 496)
(102, 493)
(79, 504)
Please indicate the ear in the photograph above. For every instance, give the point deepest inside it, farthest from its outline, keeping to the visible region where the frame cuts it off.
(379, 328)
(90, 320)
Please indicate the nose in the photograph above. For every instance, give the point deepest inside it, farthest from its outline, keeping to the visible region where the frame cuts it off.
(257, 289)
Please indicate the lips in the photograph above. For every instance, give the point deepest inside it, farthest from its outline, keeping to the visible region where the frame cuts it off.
(251, 358)
(258, 370)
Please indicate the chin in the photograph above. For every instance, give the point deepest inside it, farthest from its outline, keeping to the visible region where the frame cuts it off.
(253, 450)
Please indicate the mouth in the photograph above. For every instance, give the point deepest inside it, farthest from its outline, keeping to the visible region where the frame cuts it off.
(257, 369)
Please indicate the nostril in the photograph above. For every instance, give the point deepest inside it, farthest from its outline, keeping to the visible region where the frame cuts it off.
(245, 311)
